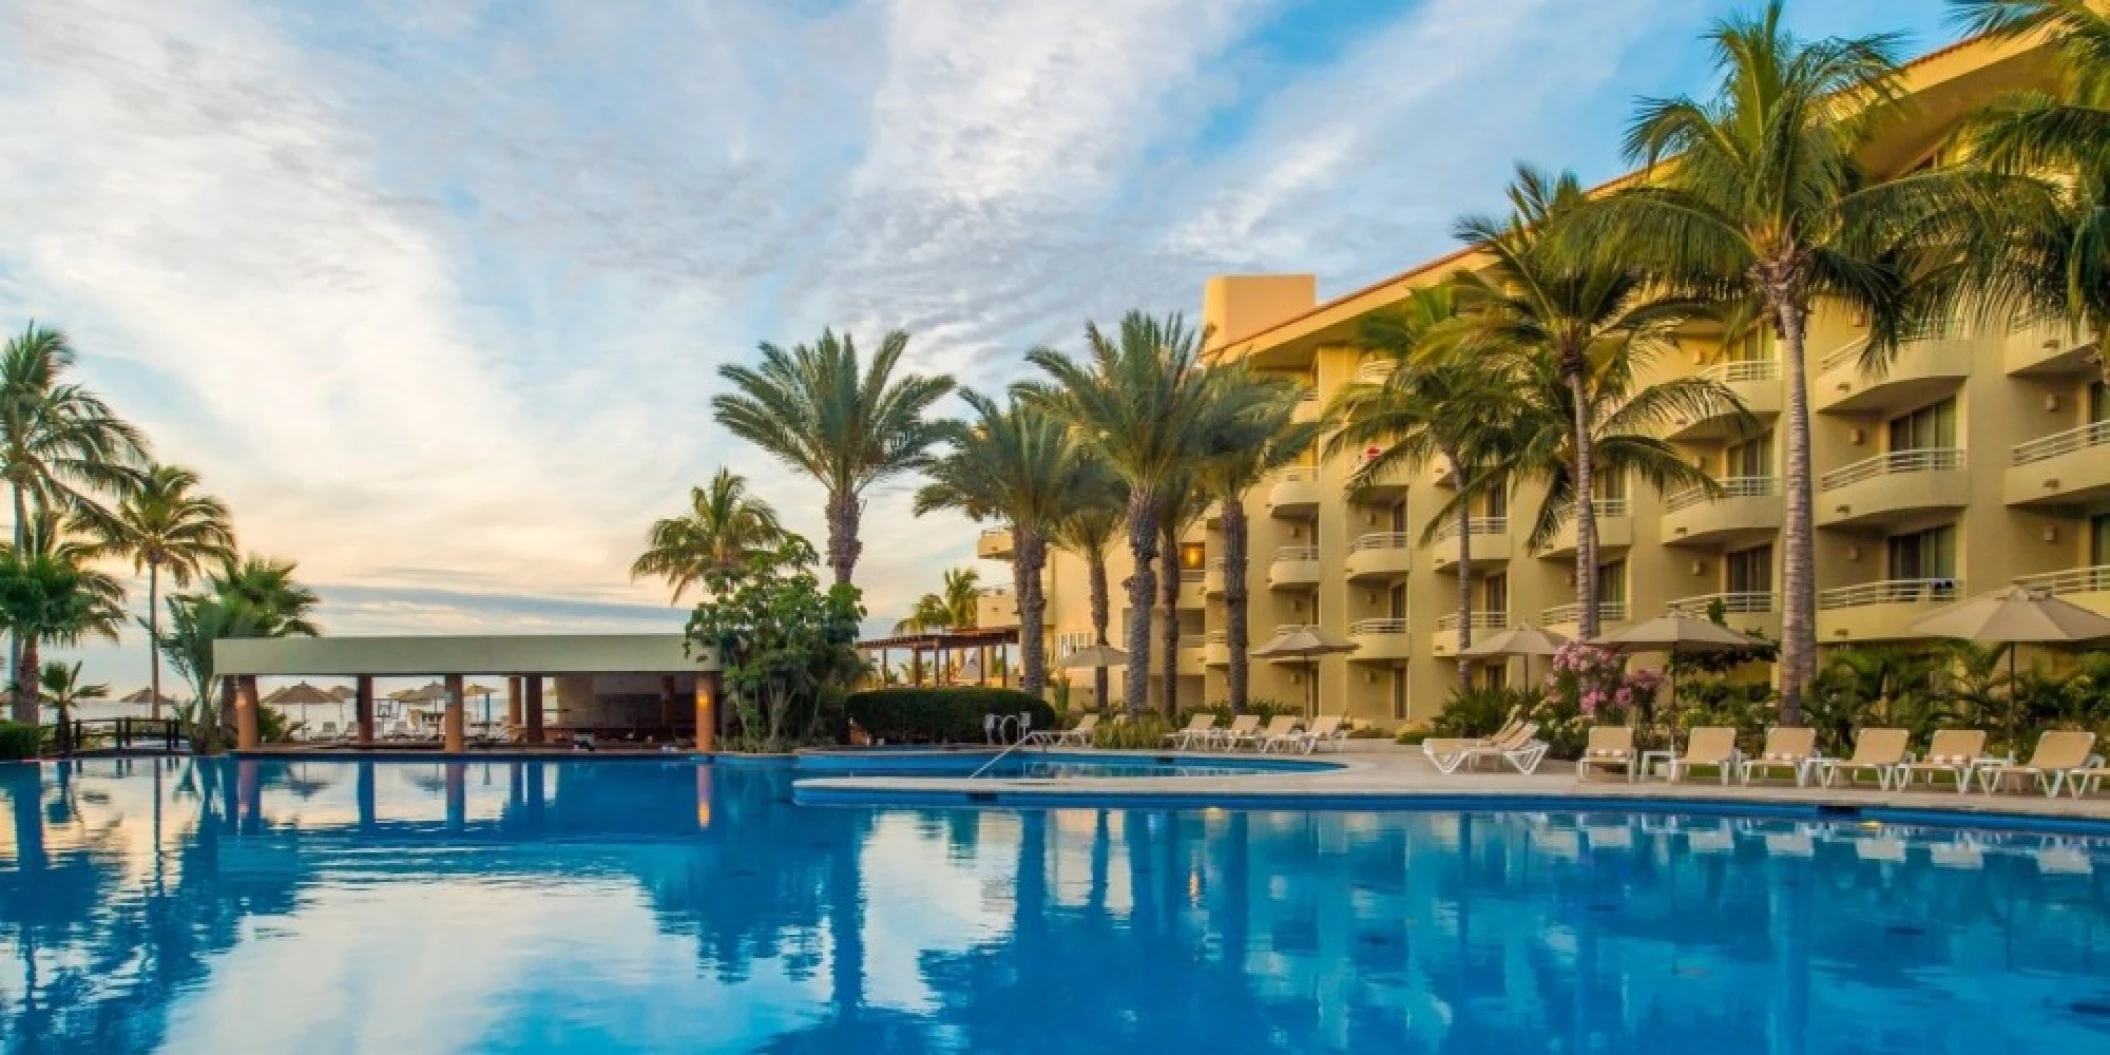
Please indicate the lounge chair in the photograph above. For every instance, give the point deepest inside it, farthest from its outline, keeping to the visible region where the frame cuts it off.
(1709, 745)
(1197, 729)
(1521, 749)
(1079, 735)
(1278, 727)
(2059, 752)
(1609, 747)
(1241, 728)
(1953, 751)
(1451, 744)
(1878, 751)
(1790, 749)
(1325, 729)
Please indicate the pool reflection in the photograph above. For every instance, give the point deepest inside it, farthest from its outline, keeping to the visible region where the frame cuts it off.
(532, 906)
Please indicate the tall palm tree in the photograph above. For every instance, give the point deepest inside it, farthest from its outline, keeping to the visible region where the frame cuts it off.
(1140, 401)
(1015, 463)
(723, 526)
(195, 622)
(1434, 402)
(265, 589)
(1754, 195)
(1183, 501)
(167, 526)
(1088, 529)
(1269, 439)
(1588, 318)
(63, 685)
(61, 447)
(45, 598)
(818, 409)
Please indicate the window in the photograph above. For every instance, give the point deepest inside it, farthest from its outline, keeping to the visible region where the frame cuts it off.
(1399, 517)
(2098, 403)
(1749, 459)
(1494, 595)
(1611, 582)
(1610, 486)
(1932, 427)
(1192, 556)
(1749, 348)
(1750, 570)
(1070, 641)
(1399, 695)
(1496, 503)
(1929, 554)
(2099, 540)
(1398, 601)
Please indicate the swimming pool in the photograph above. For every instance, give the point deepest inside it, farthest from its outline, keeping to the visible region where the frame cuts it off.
(608, 905)
(1038, 764)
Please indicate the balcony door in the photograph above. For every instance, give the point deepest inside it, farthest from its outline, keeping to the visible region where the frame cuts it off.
(1932, 427)
(1611, 584)
(1494, 597)
(2099, 540)
(1929, 554)
(1396, 605)
(1753, 459)
(1749, 570)
(2098, 403)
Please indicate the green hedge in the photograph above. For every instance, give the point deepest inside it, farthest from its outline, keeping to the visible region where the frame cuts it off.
(940, 716)
(19, 741)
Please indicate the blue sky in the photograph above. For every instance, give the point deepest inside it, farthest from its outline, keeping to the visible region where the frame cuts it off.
(434, 292)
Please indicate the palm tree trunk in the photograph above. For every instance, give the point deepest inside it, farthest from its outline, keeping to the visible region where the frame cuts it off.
(154, 637)
(14, 640)
(28, 705)
(1238, 631)
(1465, 580)
(1030, 552)
(1142, 594)
(1169, 588)
(843, 546)
(1095, 563)
(1585, 506)
(1798, 579)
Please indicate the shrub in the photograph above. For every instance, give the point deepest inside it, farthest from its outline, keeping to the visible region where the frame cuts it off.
(941, 715)
(1142, 733)
(19, 741)
(1413, 735)
(1479, 712)
(1263, 708)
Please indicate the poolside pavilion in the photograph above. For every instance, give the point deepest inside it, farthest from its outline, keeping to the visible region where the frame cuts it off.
(937, 644)
(605, 683)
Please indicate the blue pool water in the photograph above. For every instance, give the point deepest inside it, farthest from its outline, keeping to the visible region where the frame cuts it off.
(1035, 764)
(619, 905)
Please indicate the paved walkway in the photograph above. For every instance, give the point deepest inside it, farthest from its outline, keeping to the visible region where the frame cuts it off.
(1382, 772)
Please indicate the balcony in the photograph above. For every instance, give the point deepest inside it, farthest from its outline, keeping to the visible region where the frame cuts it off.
(1615, 531)
(996, 608)
(1756, 383)
(994, 544)
(2087, 587)
(1565, 618)
(1193, 583)
(1920, 373)
(1295, 493)
(1216, 649)
(2048, 351)
(1294, 568)
(1307, 408)
(1892, 487)
(1378, 640)
(1390, 483)
(1490, 544)
(1442, 472)
(2065, 468)
(1745, 613)
(1444, 642)
(1881, 611)
(1379, 556)
(1748, 508)
(1213, 580)
(1193, 653)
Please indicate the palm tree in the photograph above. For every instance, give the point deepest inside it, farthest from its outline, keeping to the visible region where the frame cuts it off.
(724, 525)
(1183, 501)
(1268, 439)
(63, 686)
(1015, 463)
(1432, 403)
(1589, 320)
(1140, 401)
(264, 589)
(47, 598)
(818, 410)
(61, 447)
(166, 525)
(1758, 199)
(1088, 529)
(957, 606)
(195, 622)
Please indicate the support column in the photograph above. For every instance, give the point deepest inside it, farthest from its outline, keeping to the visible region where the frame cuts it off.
(363, 708)
(513, 704)
(534, 708)
(706, 713)
(457, 795)
(981, 671)
(452, 725)
(245, 704)
(915, 665)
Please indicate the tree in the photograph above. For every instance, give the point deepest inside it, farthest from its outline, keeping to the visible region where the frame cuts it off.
(195, 622)
(816, 409)
(1012, 462)
(956, 607)
(723, 526)
(1265, 438)
(45, 598)
(1754, 196)
(63, 686)
(1140, 401)
(783, 643)
(1088, 528)
(1184, 500)
(264, 588)
(167, 526)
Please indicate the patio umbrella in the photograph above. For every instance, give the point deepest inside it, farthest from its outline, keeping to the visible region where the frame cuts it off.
(2014, 616)
(304, 696)
(146, 696)
(1673, 633)
(1307, 643)
(1094, 656)
(1522, 639)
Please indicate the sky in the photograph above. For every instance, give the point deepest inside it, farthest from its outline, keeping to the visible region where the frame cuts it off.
(434, 293)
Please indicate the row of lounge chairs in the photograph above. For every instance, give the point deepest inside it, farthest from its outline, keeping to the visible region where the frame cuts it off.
(2063, 760)
(1282, 734)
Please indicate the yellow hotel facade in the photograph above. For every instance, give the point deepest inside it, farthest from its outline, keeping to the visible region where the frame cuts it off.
(1976, 460)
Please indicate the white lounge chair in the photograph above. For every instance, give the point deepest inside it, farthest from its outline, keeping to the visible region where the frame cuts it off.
(1079, 735)
(1197, 731)
(1711, 745)
(2059, 753)
(1953, 751)
(1521, 749)
(1241, 728)
(1325, 729)
(1609, 747)
(1789, 749)
(1878, 751)
(1278, 727)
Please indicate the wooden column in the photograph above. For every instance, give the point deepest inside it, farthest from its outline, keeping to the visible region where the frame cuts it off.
(363, 707)
(245, 704)
(706, 713)
(915, 665)
(981, 672)
(513, 704)
(534, 708)
(451, 727)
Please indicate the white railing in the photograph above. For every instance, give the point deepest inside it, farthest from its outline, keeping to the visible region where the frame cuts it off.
(1731, 487)
(1919, 460)
(1292, 473)
(1193, 640)
(1732, 604)
(1842, 355)
(1479, 621)
(1193, 574)
(2094, 434)
(1291, 628)
(2072, 580)
(1743, 370)
(993, 534)
(1379, 540)
(1216, 637)
(1377, 626)
(1609, 507)
(1890, 591)
(997, 591)
(1308, 394)
(1297, 553)
(1607, 612)
(1375, 372)
(1476, 525)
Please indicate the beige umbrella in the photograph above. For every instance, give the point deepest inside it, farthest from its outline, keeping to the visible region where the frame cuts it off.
(2014, 616)
(1522, 639)
(146, 696)
(1093, 656)
(1307, 643)
(1675, 632)
(300, 694)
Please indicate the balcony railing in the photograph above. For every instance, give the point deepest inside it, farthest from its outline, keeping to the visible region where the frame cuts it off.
(1380, 540)
(1743, 370)
(1216, 637)
(1607, 612)
(1297, 553)
(1732, 487)
(2094, 434)
(1890, 591)
(1308, 394)
(1841, 355)
(1920, 460)
(2072, 580)
(1732, 604)
(1193, 640)
(1296, 472)
(997, 591)
(1374, 373)
(1476, 525)
(1377, 626)
(1479, 621)
(1291, 628)
(1194, 574)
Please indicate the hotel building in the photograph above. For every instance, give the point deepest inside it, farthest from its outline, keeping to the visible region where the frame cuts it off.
(1975, 460)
